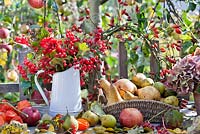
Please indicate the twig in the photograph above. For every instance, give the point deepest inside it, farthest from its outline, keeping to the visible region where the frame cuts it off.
(157, 115)
(163, 123)
(103, 1)
(44, 12)
(15, 108)
(154, 10)
(59, 22)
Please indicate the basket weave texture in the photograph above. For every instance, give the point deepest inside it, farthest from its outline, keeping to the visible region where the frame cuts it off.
(148, 108)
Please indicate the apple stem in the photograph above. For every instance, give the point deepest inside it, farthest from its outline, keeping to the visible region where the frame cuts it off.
(15, 108)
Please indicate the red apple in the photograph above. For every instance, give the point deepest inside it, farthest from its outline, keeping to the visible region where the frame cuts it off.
(37, 97)
(24, 28)
(12, 75)
(6, 46)
(36, 3)
(33, 116)
(129, 117)
(4, 33)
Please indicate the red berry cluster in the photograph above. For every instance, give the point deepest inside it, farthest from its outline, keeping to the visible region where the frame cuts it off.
(158, 129)
(176, 46)
(155, 31)
(54, 55)
(23, 72)
(22, 40)
(177, 28)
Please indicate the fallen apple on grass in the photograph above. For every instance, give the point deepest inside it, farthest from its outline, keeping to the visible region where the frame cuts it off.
(33, 116)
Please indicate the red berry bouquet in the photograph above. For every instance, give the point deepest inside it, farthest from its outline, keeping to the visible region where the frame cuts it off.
(52, 54)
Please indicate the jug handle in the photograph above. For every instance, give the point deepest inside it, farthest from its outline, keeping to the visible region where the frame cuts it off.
(40, 88)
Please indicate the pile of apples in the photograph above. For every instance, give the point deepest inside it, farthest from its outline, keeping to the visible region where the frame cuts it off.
(23, 112)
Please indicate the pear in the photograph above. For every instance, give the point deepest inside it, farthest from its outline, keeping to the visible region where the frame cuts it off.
(172, 100)
(70, 122)
(147, 82)
(108, 121)
(91, 117)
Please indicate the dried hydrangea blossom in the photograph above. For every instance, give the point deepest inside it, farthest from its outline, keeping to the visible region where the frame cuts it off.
(184, 77)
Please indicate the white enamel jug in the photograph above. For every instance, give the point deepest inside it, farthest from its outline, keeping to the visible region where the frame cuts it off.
(65, 94)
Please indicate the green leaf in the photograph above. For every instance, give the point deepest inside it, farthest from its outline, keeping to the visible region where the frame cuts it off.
(112, 61)
(192, 6)
(192, 49)
(43, 33)
(185, 47)
(25, 84)
(83, 47)
(140, 69)
(159, 14)
(185, 37)
(145, 50)
(139, 1)
(185, 19)
(133, 57)
(30, 56)
(143, 7)
(97, 108)
(196, 25)
(84, 93)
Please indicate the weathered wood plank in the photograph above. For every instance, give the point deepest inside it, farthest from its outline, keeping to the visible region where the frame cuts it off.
(123, 67)
(8, 87)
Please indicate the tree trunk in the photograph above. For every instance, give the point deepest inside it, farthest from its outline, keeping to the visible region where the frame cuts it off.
(123, 67)
(154, 65)
(75, 13)
(94, 6)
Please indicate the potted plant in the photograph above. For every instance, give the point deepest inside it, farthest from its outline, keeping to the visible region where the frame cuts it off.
(57, 56)
(184, 77)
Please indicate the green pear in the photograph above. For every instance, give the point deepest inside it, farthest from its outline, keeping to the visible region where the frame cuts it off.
(160, 87)
(108, 121)
(91, 117)
(69, 122)
(172, 100)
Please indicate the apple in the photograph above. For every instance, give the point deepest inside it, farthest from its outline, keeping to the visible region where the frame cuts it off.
(129, 117)
(6, 46)
(36, 3)
(12, 75)
(24, 28)
(4, 33)
(33, 116)
(37, 97)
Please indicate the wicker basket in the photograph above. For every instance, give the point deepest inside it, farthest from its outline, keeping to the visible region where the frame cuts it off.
(149, 108)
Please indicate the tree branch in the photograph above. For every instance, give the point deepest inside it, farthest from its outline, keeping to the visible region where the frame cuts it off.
(103, 1)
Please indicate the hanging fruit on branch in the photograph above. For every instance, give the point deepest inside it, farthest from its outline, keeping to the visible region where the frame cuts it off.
(36, 3)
